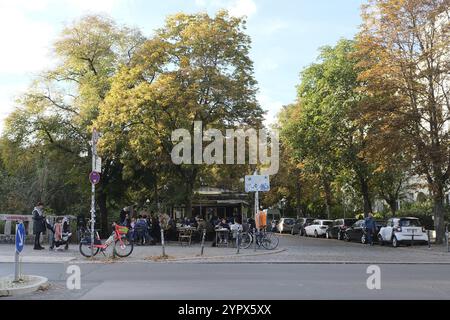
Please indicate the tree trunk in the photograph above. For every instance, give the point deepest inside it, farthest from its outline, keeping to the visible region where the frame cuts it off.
(298, 197)
(366, 196)
(439, 214)
(101, 199)
(189, 194)
(328, 197)
(392, 205)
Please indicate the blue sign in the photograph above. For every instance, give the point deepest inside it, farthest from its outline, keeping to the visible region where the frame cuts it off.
(94, 177)
(20, 237)
(257, 183)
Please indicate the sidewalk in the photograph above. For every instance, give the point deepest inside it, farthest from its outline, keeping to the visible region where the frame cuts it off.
(292, 250)
(174, 252)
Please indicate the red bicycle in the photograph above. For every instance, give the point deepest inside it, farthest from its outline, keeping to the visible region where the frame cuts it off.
(123, 246)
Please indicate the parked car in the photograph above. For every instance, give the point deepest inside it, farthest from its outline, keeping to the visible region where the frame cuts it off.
(357, 232)
(285, 225)
(337, 230)
(402, 230)
(273, 226)
(318, 228)
(300, 224)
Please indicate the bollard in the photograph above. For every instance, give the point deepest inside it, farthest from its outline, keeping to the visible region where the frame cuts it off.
(429, 241)
(255, 238)
(238, 241)
(446, 238)
(203, 241)
(412, 238)
(162, 243)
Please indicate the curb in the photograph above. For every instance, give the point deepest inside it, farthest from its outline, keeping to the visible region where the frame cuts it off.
(41, 283)
(225, 257)
(185, 259)
(329, 263)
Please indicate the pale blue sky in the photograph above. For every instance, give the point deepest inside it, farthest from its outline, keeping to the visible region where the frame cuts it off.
(286, 36)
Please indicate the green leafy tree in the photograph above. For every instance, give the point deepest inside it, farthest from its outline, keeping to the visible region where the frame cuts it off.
(195, 68)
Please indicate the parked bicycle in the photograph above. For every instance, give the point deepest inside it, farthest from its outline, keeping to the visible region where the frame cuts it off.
(123, 247)
(267, 240)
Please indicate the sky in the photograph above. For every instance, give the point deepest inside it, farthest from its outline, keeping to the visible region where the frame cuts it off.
(286, 36)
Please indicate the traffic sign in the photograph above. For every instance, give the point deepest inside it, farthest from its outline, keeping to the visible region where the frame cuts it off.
(94, 177)
(98, 165)
(20, 237)
(257, 183)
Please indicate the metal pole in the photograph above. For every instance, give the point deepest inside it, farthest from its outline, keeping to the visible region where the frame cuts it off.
(446, 238)
(412, 238)
(16, 261)
(429, 241)
(203, 241)
(92, 220)
(163, 243)
(255, 238)
(94, 155)
(238, 241)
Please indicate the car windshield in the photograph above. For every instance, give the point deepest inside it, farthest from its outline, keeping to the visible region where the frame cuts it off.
(289, 221)
(328, 223)
(409, 223)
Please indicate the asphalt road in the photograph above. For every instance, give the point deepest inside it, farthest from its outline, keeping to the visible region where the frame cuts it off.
(240, 281)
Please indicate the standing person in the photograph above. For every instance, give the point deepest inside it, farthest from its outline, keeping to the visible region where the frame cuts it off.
(156, 229)
(370, 227)
(122, 216)
(39, 225)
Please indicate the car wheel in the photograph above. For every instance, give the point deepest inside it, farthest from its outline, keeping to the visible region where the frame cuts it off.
(346, 237)
(380, 240)
(316, 235)
(363, 239)
(395, 243)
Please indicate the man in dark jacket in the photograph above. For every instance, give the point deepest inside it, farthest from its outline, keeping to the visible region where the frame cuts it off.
(371, 228)
(39, 225)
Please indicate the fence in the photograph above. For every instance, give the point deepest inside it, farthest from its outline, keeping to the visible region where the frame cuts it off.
(8, 235)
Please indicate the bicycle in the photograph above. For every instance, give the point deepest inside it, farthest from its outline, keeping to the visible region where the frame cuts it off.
(263, 239)
(123, 246)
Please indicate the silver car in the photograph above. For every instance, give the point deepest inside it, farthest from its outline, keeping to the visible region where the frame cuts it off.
(286, 225)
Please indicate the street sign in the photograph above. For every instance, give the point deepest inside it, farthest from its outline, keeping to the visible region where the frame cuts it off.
(20, 237)
(98, 165)
(94, 177)
(257, 183)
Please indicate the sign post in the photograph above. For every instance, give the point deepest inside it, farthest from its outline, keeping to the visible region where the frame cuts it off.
(20, 241)
(94, 178)
(257, 184)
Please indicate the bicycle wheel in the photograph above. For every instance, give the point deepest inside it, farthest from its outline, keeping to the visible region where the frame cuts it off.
(246, 240)
(85, 249)
(123, 249)
(270, 241)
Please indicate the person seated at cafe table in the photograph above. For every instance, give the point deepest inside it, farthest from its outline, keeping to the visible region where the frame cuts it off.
(223, 225)
(186, 222)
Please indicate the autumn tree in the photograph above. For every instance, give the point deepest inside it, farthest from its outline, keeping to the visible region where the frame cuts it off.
(322, 129)
(60, 107)
(404, 47)
(195, 68)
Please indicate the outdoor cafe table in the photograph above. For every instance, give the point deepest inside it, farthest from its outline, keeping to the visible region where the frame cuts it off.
(184, 232)
(220, 235)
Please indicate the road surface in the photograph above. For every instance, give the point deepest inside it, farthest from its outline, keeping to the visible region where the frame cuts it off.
(186, 281)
